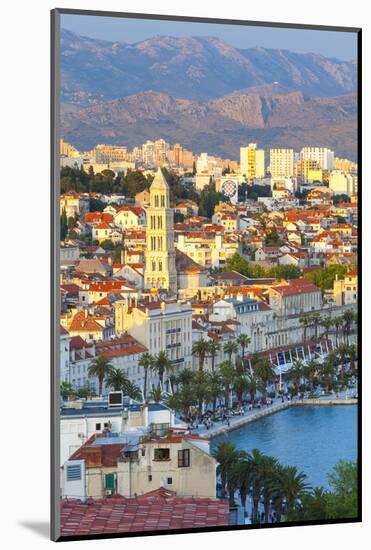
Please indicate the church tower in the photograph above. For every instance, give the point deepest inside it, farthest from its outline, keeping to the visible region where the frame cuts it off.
(160, 252)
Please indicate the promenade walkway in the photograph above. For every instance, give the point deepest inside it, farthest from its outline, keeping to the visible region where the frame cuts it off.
(235, 422)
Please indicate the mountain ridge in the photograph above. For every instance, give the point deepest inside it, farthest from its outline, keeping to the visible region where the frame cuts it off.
(197, 68)
(218, 126)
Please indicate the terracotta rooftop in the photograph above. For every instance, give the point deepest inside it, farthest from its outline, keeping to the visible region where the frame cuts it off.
(158, 510)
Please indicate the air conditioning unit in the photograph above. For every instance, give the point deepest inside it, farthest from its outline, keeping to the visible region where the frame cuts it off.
(108, 492)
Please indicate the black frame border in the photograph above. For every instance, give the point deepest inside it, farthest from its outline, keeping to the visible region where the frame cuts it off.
(54, 274)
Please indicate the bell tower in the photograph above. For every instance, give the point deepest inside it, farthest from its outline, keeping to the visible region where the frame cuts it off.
(160, 252)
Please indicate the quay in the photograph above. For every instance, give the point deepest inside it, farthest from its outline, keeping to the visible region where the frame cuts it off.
(252, 416)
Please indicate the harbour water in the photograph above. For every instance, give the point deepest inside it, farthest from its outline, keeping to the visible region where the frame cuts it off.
(312, 438)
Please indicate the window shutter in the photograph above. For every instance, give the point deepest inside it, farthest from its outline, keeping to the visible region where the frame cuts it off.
(73, 472)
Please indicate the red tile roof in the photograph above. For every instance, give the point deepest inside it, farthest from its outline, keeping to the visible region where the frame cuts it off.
(159, 510)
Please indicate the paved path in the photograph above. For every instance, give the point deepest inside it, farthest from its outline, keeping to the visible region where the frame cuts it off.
(250, 416)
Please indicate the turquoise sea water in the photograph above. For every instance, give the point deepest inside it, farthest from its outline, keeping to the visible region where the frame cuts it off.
(311, 438)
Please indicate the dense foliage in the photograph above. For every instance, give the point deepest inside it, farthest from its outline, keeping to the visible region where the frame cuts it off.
(241, 265)
(324, 278)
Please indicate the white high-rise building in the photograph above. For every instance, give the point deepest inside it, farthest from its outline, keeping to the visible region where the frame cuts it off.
(343, 183)
(322, 155)
(281, 163)
(148, 152)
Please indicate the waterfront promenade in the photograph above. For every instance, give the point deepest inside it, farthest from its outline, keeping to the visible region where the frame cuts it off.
(236, 422)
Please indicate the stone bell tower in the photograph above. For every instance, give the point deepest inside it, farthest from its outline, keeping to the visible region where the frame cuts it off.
(160, 251)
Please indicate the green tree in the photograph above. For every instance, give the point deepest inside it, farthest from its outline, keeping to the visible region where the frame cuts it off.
(230, 347)
(64, 225)
(238, 264)
(200, 348)
(264, 372)
(133, 391)
(343, 480)
(227, 455)
(100, 367)
(116, 379)
(146, 361)
(243, 341)
(213, 349)
(155, 394)
(348, 319)
(162, 366)
(66, 390)
(227, 374)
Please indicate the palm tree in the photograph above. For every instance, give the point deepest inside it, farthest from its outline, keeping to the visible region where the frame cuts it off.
(328, 371)
(173, 402)
(264, 373)
(161, 365)
(200, 348)
(227, 455)
(310, 372)
(341, 354)
(353, 356)
(230, 347)
(316, 321)
(116, 379)
(201, 388)
(252, 387)
(133, 391)
(66, 390)
(348, 319)
(326, 323)
(146, 361)
(267, 467)
(243, 341)
(240, 386)
(185, 377)
(293, 486)
(227, 373)
(100, 367)
(295, 374)
(305, 321)
(337, 322)
(257, 482)
(240, 478)
(155, 394)
(215, 388)
(213, 349)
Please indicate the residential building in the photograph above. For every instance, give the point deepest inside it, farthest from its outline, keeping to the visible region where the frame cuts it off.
(322, 155)
(281, 163)
(133, 463)
(159, 326)
(252, 162)
(346, 290)
(343, 183)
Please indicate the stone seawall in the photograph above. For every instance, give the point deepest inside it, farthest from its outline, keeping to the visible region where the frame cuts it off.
(271, 409)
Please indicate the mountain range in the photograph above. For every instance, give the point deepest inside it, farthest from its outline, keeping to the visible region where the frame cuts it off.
(205, 94)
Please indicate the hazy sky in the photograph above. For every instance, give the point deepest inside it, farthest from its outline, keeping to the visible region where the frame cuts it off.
(342, 45)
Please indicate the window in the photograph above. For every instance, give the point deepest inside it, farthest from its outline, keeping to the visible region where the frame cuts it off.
(98, 427)
(162, 454)
(150, 477)
(169, 480)
(110, 482)
(73, 472)
(143, 451)
(183, 458)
